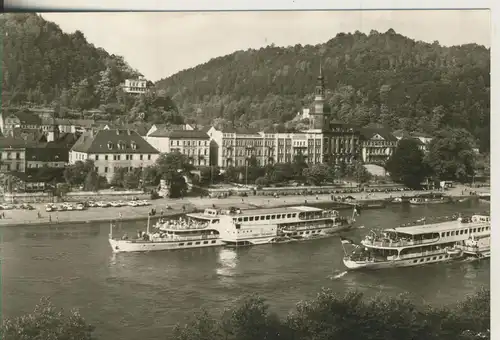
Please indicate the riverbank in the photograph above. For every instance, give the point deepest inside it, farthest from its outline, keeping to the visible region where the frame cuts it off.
(189, 204)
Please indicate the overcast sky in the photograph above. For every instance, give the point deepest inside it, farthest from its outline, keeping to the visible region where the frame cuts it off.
(161, 44)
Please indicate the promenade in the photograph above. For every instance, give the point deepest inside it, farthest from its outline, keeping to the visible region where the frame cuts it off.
(178, 206)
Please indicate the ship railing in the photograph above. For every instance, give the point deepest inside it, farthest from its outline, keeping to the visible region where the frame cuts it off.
(396, 244)
(425, 253)
(186, 238)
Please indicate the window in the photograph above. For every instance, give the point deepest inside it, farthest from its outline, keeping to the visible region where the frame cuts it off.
(197, 243)
(213, 241)
(106, 157)
(189, 243)
(149, 157)
(140, 157)
(105, 169)
(181, 244)
(18, 155)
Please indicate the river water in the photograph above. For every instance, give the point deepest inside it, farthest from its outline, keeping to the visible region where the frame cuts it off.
(134, 296)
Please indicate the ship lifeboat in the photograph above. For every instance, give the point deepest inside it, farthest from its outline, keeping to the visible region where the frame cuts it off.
(453, 251)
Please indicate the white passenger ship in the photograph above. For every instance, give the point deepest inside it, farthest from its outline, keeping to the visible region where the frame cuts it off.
(276, 225)
(416, 245)
(196, 230)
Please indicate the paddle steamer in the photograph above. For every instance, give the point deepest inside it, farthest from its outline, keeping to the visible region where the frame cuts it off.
(421, 244)
(196, 230)
(280, 225)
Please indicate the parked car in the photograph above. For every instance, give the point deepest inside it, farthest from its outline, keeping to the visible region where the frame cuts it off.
(50, 207)
(92, 204)
(27, 206)
(133, 204)
(6, 206)
(102, 204)
(80, 206)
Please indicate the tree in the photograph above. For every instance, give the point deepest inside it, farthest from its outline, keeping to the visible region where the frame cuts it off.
(132, 179)
(172, 167)
(150, 175)
(76, 173)
(118, 176)
(47, 322)
(406, 165)
(298, 165)
(451, 156)
(317, 174)
(359, 172)
(91, 182)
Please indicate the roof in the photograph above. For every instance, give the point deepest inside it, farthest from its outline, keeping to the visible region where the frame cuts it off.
(108, 141)
(369, 133)
(402, 133)
(27, 117)
(76, 122)
(11, 143)
(206, 128)
(47, 154)
(187, 134)
(283, 210)
(433, 228)
(241, 131)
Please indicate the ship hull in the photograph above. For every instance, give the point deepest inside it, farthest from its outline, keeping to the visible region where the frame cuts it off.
(299, 235)
(127, 246)
(397, 263)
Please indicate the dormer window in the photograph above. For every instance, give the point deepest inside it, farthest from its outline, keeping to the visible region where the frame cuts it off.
(110, 145)
(134, 146)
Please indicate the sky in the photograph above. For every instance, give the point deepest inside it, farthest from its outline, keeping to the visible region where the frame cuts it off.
(162, 44)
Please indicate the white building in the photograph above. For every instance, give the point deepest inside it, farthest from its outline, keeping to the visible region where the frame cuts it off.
(135, 86)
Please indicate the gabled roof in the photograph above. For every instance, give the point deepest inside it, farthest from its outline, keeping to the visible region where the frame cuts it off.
(369, 133)
(26, 117)
(180, 134)
(108, 141)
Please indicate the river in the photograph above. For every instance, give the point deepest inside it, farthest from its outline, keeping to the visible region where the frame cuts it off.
(134, 296)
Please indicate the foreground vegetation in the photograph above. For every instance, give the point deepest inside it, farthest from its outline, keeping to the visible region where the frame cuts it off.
(329, 316)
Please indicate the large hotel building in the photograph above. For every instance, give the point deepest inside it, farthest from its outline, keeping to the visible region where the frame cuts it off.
(326, 140)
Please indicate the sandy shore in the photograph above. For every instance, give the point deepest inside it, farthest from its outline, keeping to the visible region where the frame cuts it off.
(27, 217)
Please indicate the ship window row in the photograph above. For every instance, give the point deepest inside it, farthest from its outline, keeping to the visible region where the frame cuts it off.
(263, 217)
(464, 231)
(191, 243)
(433, 258)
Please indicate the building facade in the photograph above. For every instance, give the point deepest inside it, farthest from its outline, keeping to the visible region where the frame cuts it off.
(326, 140)
(192, 143)
(135, 86)
(13, 154)
(377, 145)
(113, 149)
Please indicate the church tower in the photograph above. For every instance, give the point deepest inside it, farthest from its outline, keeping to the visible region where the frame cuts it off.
(318, 121)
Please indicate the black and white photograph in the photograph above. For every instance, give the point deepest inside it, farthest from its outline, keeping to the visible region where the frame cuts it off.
(245, 175)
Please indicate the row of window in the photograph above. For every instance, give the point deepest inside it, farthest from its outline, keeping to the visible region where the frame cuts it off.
(8, 155)
(464, 231)
(196, 243)
(264, 217)
(119, 157)
(189, 142)
(434, 258)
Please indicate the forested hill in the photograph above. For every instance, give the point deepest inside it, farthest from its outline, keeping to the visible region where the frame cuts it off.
(380, 77)
(42, 65)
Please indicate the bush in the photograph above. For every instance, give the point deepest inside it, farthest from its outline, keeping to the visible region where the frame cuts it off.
(349, 316)
(46, 322)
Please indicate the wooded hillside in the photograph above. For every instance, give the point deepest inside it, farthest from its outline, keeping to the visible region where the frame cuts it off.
(381, 77)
